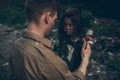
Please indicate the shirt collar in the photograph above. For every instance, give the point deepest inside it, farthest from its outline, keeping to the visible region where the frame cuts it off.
(37, 38)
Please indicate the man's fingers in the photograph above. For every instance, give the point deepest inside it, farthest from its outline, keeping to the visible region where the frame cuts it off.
(84, 44)
(88, 46)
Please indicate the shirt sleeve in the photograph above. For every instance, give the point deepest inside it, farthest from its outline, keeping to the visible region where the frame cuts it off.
(79, 75)
(40, 69)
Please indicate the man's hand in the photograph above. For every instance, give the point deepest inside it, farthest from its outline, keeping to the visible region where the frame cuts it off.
(86, 52)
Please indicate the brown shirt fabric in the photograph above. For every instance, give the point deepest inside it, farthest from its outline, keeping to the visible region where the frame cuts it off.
(32, 58)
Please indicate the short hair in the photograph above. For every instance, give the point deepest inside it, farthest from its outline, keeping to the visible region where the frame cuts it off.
(35, 8)
(76, 19)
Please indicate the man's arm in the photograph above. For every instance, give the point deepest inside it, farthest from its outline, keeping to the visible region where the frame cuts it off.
(86, 52)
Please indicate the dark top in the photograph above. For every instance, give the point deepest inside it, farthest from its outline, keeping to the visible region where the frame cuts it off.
(73, 49)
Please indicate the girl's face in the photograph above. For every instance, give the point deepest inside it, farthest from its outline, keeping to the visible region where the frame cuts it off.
(68, 26)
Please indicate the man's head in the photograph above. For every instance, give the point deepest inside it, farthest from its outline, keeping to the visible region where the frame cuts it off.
(41, 12)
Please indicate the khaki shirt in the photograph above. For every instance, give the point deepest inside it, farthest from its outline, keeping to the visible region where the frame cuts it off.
(33, 59)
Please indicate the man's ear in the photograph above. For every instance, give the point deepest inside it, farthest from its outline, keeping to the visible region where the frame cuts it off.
(47, 17)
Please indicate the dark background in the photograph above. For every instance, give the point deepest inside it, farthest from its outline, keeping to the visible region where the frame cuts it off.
(12, 9)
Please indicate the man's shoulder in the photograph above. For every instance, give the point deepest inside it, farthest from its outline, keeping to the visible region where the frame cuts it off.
(25, 46)
(23, 43)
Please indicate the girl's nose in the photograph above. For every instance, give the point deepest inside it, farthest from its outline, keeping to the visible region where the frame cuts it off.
(68, 26)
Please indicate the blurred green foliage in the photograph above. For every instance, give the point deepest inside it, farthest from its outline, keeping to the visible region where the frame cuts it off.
(12, 13)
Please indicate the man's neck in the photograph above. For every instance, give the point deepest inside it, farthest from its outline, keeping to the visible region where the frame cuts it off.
(36, 29)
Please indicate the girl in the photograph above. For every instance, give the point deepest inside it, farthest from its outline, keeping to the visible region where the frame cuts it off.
(71, 34)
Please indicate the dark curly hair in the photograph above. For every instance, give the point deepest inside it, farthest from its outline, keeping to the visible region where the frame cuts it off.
(75, 17)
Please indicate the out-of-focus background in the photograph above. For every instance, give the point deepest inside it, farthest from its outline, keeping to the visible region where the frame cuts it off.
(102, 16)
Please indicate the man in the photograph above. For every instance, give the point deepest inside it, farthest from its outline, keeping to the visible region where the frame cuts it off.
(32, 57)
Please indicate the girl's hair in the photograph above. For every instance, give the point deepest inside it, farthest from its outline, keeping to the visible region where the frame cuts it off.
(75, 17)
